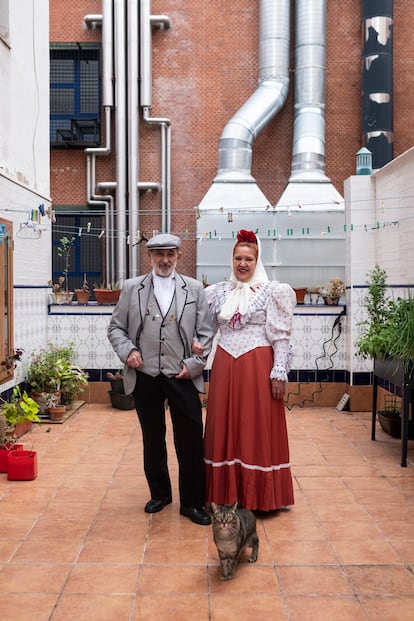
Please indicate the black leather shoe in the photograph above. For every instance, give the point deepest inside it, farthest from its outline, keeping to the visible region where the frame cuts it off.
(197, 515)
(154, 505)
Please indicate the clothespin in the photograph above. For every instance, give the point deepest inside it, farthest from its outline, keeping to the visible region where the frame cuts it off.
(88, 227)
(101, 234)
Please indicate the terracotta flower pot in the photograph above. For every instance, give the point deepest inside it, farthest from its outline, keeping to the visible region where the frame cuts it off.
(107, 296)
(82, 297)
(57, 413)
(300, 294)
(22, 465)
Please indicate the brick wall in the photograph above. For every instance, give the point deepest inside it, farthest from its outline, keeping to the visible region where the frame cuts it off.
(204, 69)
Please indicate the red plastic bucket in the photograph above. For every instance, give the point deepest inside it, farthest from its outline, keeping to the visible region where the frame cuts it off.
(4, 453)
(22, 465)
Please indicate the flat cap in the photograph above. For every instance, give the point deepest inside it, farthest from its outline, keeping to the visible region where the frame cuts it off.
(163, 241)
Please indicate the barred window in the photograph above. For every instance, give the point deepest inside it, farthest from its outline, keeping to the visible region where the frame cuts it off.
(75, 95)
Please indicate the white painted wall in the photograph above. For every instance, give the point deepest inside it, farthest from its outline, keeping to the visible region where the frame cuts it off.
(24, 161)
(380, 208)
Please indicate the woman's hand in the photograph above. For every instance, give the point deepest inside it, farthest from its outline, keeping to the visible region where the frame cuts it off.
(278, 389)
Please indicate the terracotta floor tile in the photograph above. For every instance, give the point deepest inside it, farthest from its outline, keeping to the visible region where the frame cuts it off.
(97, 550)
(183, 607)
(47, 550)
(233, 607)
(16, 606)
(311, 580)
(304, 553)
(44, 578)
(247, 577)
(163, 579)
(93, 606)
(365, 552)
(385, 580)
(388, 608)
(104, 579)
(325, 608)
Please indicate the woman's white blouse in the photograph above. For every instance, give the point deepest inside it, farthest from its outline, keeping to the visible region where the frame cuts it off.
(267, 322)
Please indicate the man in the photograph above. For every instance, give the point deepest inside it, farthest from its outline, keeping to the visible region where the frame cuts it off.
(152, 328)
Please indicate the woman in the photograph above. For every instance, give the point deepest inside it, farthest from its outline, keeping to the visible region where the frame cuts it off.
(246, 443)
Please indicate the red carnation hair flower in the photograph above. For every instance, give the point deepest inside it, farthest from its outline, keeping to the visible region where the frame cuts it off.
(246, 236)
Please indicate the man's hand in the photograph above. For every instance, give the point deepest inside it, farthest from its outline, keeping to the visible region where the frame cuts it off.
(184, 373)
(278, 389)
(134, 360)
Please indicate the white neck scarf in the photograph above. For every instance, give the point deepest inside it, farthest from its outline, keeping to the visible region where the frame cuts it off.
(164, 289)
(238, 300)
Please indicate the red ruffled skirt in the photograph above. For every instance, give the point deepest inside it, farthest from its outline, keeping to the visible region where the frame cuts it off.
(246, 442)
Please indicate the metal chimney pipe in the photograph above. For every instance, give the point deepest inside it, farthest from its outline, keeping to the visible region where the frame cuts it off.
(377, 87)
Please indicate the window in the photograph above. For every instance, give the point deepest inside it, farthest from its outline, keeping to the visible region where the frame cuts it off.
(74, 95)
(87, 252)
(6, 299)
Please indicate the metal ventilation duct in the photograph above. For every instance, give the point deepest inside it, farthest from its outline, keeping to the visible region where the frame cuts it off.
(377, 102)
(234, 185)
(308, 185)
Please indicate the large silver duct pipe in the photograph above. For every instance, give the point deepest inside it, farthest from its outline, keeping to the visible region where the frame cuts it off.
(377, 87)
(234, 185)
(133, 134)
(146, 23)
(308, 184)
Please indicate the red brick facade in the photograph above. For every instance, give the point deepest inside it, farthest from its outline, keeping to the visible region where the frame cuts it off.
(204, 69)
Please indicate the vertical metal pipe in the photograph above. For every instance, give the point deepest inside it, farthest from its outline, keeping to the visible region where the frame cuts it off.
(133, 134)
(308, 158)
(120, 138)
(377, 87)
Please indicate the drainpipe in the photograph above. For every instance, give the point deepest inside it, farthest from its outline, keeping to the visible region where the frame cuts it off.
(377, 87)
(133, 134)
(120, 138)
(106, 21)
(147, 22)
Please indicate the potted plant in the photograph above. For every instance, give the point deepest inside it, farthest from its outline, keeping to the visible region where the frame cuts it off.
(60, 289)
(300, 294)
(51, 371)
(107, 293)
(55, 409)
(119, 399)
(82, 294)
(20, 412)
(388, 332)
(332, 292)
(7, 442)
(387, 336)
(314, 294)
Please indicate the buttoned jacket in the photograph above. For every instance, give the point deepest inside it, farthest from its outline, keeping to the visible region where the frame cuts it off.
(193, 321)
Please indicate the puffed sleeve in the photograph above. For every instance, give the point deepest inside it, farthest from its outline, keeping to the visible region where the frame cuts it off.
(279, 316)
(213, 303)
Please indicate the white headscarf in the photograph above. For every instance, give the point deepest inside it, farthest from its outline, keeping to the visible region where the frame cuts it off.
(239, 297)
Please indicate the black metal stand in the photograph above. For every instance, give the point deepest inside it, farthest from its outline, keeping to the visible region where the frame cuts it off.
(393, 370)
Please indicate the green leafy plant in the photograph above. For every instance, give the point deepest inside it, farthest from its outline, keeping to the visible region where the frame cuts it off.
(52, 369)
(389, 330)
(113, 285)
(20, 408)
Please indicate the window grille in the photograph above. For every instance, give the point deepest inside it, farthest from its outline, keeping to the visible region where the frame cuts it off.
(75, 100)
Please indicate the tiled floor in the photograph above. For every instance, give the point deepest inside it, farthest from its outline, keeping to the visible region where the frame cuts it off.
(76, 545)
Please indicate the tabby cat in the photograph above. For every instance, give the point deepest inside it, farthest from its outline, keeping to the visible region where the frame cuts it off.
(233, 530)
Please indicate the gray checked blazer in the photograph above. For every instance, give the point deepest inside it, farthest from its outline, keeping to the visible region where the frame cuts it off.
(193, 319)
